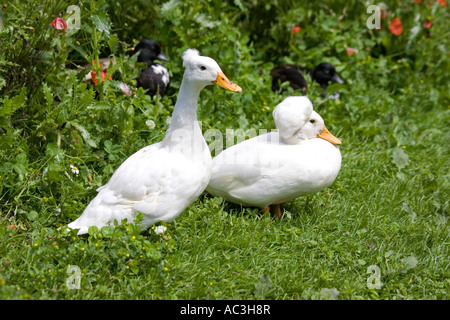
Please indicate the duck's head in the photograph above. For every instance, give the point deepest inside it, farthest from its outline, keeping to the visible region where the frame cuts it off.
(326, 72)
(150, 50)
(296, 121)
(205, 71)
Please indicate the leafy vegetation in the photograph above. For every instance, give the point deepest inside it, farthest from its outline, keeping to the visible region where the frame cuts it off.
(388, 207)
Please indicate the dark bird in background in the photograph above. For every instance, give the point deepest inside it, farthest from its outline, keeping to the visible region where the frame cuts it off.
(155, 77)
(322, 74)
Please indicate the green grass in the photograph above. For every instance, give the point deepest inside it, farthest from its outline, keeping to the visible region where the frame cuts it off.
(387, 208)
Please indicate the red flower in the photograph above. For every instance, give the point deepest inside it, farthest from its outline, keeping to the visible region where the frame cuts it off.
(351, 51)
(59, 24)
(396, 27)
(94, 74)
(442, 2)
(295, 29)
(427, 24)
(12, 226)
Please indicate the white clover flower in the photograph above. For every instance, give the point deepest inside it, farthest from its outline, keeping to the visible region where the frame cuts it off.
(74, 169)
(150, 124)
(160, 229)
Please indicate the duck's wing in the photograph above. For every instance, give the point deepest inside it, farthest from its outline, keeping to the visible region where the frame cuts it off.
(276, 173)
(140, 176)
(155, 78)
(137, 173)
(242, 166)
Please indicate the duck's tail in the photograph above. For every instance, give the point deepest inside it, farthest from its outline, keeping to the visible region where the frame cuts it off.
(102, 213)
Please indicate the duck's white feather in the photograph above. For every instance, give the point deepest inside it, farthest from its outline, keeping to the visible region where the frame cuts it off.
(161, 70)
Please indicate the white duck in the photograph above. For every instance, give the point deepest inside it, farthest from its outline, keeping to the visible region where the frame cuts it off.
(162, 179)
(277, 167)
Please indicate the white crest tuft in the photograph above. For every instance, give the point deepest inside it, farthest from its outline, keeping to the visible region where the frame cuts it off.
(189, 55)
(292, 114)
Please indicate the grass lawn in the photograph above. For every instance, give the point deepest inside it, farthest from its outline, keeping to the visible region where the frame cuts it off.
(381, 231)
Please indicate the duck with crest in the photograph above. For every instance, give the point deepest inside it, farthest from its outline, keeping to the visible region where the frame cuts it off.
(276, 167)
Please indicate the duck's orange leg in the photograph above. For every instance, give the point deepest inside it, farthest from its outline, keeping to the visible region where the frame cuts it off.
(277, 210)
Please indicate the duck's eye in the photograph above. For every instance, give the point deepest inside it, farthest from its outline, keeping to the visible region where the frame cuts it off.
(312, 121)
(202, 68)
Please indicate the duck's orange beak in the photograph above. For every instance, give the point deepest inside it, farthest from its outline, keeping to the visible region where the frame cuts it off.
(326, 135)
(223, 81)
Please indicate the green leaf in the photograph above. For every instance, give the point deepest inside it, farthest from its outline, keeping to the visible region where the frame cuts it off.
(412, 36)
(11, 105)
(107, 231)
(153, 253)
(101, 22)
(93, 230)
(86, 100)
(99, 106)
(52, 150)
(53, 173)
(402, 136)
(112, 149)
(112, 43)
(47, 93)
(84, 133)
(20, 165)
(399, 157)
(2, 82)
(79, 50)
(20, 100)
(410, 262)
(32, 215)
(6, 109)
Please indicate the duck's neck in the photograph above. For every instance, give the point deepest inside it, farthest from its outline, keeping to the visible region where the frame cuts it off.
(184, 116)
(296, 137)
